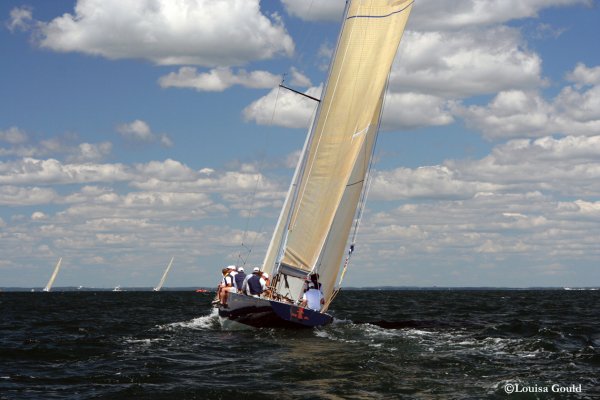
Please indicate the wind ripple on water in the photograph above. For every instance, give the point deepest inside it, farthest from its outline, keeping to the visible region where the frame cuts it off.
(415, 344)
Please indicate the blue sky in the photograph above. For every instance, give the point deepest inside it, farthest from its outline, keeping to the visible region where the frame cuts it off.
(133, 133)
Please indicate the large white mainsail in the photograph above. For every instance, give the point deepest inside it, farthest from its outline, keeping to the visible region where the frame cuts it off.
(312, 231)
(53, 277)
(164, 276)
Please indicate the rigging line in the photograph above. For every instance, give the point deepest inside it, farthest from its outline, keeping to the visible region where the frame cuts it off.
(258, 178)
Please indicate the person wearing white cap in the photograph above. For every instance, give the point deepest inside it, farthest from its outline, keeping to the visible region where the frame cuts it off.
(239, 279)
(227, 283)
(254, 285)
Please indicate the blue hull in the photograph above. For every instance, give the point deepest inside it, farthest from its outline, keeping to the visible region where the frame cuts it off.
(264, 313)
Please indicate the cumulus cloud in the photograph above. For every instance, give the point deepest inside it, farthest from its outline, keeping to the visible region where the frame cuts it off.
(219, 79)
(569, 166)
(515, 113)
(283, 108)
(193, 32)
(432, 71)
(64, 145)
(412, 110)
(582, 75)
(26, 196)
(465, 63)
(34, 171)
(139, 131)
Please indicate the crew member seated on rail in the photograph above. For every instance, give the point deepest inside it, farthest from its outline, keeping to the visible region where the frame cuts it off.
(254, 285)
(227, 284)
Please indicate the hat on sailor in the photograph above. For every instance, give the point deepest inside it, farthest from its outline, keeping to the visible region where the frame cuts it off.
(256, 269)
(240, 269)
(231, 267)
(265, 275)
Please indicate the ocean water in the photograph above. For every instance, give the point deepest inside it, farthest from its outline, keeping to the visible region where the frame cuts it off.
(414, 344)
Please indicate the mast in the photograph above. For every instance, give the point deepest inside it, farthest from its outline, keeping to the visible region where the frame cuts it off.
(164, 276)
(53, 277)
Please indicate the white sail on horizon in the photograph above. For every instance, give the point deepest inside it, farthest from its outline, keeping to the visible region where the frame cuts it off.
(53, 276)
(313, 229)
(164, 276)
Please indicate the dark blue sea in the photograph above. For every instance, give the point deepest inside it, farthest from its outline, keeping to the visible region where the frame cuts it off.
(392, 344)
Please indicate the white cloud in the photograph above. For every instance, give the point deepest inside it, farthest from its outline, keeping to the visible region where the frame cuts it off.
(435, 15)
(568, 167)
(425, 182)
(20, 19)
(26, 196)
(38, 216)
(283, 108)
(13, 135)
(582, 75)
(299, 79)
(64, 145)
(219, 79)
(574, 111)
(139, 131)
(465, 63)
(90, 152)
(194, 32)
(330, 10)
(410, 110)
(33, 171)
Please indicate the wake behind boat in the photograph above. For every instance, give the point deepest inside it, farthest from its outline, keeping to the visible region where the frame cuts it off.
(329, 188)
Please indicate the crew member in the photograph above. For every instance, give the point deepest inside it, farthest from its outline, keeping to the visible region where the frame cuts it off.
(312, 298)
(239, 279)
(254, 285)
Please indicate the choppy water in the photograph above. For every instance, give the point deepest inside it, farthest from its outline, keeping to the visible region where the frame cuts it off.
(169, 345)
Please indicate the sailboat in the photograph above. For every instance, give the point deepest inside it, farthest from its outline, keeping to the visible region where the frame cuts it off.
(328, 191)
(164, 276)
(53, 277)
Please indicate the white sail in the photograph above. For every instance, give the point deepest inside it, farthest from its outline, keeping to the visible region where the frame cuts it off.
(322, 203)
(53, 277)
(164, 276)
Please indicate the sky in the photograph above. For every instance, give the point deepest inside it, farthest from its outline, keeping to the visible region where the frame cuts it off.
(131, 132)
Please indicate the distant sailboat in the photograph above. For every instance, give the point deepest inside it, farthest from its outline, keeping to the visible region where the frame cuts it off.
(328, 190)
(117, 289)
(53, 277)
(164, 277)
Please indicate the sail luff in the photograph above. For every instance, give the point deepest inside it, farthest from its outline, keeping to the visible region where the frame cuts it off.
(164, 276)
(350, 109)
(53, 276)
(277, 244)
